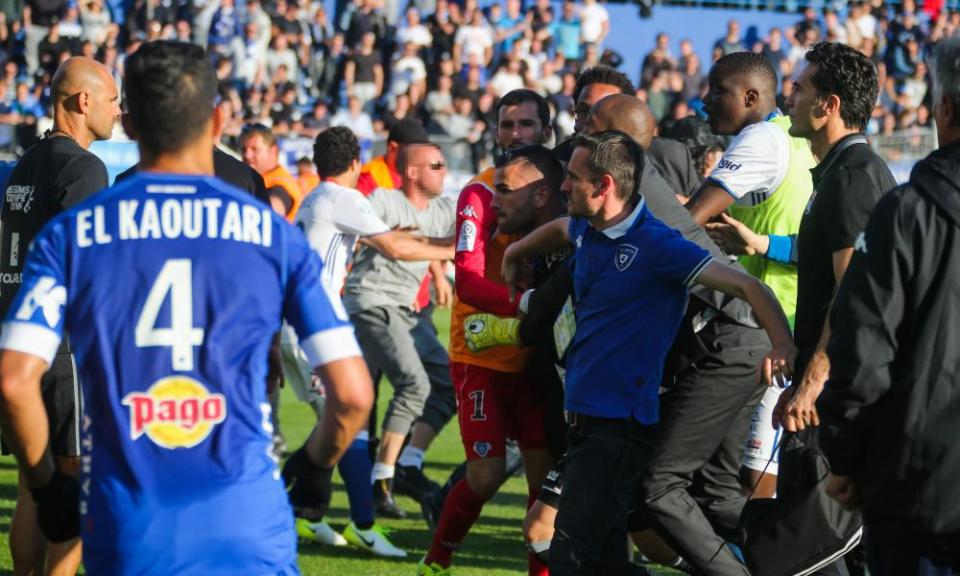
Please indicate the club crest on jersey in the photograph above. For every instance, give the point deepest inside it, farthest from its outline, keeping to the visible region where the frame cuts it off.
(176, 412)
(624, 256)
(482, 448)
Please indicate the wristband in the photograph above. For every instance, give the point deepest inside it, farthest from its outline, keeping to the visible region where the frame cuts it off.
(780, 248)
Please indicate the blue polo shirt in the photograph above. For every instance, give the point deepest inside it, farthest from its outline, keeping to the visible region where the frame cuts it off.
(630, 288)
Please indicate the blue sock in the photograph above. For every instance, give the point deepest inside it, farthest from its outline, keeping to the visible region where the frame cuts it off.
(355, 469)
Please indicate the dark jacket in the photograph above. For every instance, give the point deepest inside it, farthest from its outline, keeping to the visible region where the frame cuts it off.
(672, 160)
(891, 410)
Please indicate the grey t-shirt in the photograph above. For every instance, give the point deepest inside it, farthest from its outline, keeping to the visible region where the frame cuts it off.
(376, 280)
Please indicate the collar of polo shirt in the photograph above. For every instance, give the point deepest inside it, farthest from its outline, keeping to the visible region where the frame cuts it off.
(617, 231)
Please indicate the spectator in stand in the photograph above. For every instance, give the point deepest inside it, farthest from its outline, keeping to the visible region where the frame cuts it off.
(414, 31)
(363, 74)
(509, 77)
(280, 55)
(443, 28)
(473, 87)
(439, 103)
(407, 70)
(473, 42)
(773, 51)
(568, 32)
(354, 118)
(402, 110)
(512, 25)
(226, 24)
(249, 57)
(730, 43)
(691, 77)
(318, 120)
(595, 22)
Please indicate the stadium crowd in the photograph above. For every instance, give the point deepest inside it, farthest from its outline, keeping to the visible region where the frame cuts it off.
(695, 309)
(297, 69)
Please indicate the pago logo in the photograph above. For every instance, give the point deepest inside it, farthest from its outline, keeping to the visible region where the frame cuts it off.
(176, 412)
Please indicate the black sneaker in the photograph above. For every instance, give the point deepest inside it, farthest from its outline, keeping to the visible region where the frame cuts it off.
(411, 481)
(383, 503)
(431, 506)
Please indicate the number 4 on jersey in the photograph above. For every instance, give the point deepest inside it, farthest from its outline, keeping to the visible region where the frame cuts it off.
(176, 279)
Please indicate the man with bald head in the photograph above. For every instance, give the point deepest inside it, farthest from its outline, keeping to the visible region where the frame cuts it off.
(671, 158)
(54, 174)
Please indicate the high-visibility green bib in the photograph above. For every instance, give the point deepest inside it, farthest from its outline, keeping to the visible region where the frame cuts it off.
(780, 214)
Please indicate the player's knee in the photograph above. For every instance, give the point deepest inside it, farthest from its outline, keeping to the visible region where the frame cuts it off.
(486, 476)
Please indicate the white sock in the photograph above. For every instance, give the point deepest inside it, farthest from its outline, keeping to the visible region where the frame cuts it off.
(382, 472)
(411, 457)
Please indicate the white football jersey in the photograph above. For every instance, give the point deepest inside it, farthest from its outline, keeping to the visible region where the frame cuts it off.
(334, 217)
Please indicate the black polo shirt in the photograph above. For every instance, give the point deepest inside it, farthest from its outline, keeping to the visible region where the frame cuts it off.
(847, 184)
(54, 174)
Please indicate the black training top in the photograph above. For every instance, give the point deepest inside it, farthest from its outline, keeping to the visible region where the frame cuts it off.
(53, 175)
(847, 184)
(228, 169)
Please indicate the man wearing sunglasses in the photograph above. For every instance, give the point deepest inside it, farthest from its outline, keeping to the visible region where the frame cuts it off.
(379, 294)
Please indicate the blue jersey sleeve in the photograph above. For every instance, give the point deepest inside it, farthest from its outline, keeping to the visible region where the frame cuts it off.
(34, 322)
(677, 259)
(320, 320)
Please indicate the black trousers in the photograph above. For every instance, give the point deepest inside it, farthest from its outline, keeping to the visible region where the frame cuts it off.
(601, 470)
(691, 491)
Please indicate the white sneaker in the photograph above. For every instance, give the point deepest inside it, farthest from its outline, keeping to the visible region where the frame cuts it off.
(374, 540)
(320, 532)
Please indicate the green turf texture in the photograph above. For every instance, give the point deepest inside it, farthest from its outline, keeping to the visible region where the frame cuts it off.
(493, 547)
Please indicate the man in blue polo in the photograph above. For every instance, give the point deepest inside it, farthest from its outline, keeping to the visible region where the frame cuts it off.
(631, 274)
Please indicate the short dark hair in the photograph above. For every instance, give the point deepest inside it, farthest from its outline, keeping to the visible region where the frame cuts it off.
(521, 95)
(617, 154)
(851, 76)
(169, 89)
(748, 63)
(334, 151)
(541, 157)
(603, 75)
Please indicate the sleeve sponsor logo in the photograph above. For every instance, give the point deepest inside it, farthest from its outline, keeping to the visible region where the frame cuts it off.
(176, 412)
(861, 243)
(19, 198)
(728, 165)
(468, 237)
(48, 297)
(468, 212)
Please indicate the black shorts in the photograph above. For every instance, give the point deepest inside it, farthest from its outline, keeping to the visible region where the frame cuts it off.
(63, 400)
(552, 487)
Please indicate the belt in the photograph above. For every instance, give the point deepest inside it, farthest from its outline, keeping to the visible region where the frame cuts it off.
(576, 419)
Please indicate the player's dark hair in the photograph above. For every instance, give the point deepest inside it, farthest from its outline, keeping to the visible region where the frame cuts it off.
(521, 95)
(603, 75)
(616, 154)
(747, 63)
(169, 89)
(851, 76)
(541, 157)
(334, 151)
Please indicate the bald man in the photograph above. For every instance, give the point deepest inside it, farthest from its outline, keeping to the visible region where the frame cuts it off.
(670, 158)
(53, 175)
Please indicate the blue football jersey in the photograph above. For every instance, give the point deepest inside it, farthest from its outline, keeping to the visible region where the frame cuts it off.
(170, 288)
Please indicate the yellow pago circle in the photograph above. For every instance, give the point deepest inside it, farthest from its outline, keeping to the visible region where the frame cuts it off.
(175, 412)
